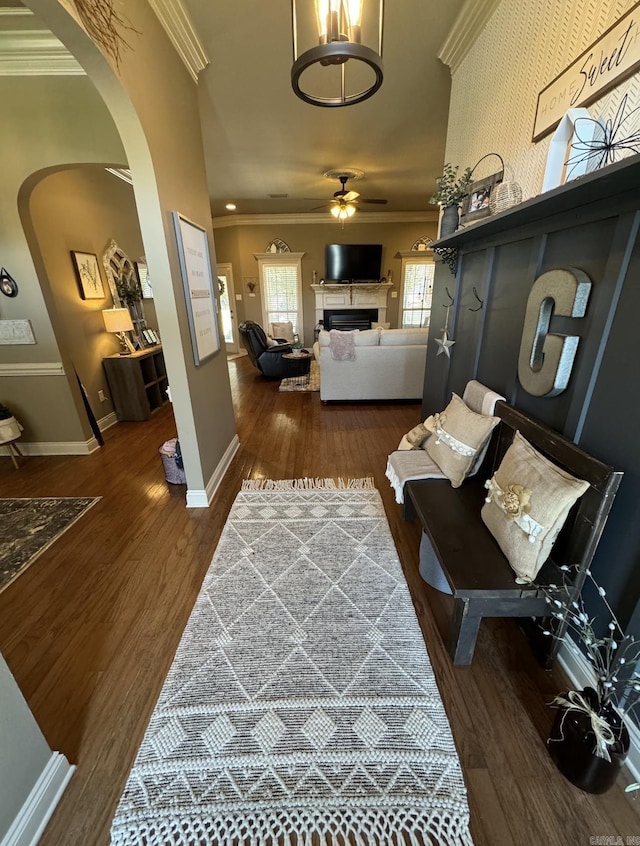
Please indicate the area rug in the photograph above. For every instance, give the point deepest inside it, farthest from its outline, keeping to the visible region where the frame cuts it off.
(301, 707)
(29, 526)
(304, 384)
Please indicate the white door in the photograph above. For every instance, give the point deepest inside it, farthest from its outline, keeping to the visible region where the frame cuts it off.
(227, 307)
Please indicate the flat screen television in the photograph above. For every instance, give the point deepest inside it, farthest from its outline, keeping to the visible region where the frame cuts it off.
(353, 262)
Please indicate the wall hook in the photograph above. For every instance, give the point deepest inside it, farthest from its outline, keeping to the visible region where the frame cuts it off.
(448, 305)
(475, 294)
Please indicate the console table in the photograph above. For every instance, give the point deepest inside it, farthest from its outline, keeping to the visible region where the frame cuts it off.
(137, 382)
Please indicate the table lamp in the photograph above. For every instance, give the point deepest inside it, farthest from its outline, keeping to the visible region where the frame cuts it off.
(118, 321)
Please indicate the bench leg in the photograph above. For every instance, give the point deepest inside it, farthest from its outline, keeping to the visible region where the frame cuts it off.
(463, 632)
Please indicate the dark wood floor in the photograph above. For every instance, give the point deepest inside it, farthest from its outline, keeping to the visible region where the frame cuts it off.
(90, 629)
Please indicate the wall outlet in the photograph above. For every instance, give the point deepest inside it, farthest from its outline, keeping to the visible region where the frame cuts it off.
(101, 396)
(394, 294)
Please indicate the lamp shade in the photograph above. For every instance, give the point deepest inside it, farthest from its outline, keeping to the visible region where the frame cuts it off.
(117, 320)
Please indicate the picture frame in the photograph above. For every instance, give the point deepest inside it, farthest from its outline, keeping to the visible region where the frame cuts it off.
(87, 272)
(476, 204)
(197, 278)
(143, 278)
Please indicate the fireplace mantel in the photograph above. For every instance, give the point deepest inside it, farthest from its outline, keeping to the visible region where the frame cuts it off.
(359, 295)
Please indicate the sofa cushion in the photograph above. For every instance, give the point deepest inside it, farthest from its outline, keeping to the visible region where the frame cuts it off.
(366, 338)
(403, 337)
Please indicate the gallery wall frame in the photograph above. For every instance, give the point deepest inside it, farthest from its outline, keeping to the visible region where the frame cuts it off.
(197, 279)
(87, 272)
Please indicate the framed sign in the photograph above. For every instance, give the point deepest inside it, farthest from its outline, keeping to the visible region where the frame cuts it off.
(195, 266)
(612, 58)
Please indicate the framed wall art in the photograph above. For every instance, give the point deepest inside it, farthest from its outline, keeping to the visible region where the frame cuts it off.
(197, 278)
(88, 275)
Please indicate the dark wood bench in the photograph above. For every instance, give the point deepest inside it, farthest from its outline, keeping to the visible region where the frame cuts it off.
(473, 568)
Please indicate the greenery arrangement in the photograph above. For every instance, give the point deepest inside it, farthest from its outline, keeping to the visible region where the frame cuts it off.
(452, 189)
(129, 291)
(613, 655)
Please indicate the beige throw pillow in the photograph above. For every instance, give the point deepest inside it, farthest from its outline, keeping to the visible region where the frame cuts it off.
(527, 503)
(417, 436)
(459, 434)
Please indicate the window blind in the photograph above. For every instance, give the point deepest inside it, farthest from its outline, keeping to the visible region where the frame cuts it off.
(417, 290)
(280, 289)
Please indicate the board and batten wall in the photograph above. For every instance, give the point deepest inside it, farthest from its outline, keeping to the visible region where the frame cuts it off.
(495, 87)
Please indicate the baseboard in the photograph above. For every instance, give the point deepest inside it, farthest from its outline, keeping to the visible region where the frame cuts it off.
(581, 674)
(59, 447)
(107, 421)
(40, 804)
(202, 498)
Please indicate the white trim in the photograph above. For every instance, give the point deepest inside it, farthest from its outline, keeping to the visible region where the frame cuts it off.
(581, 675)
(37, 809)
(426, 216)
(107, 421)
(17, 12)
(60, 447)
(38, 368)
(35, 53)
(202, 499)
(182, 33)
(468, 25)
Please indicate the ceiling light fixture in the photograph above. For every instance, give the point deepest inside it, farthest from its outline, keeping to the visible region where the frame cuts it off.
(339, 38)
(231, 207)
(343, 211)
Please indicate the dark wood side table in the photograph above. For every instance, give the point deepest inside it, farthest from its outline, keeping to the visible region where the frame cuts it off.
(299, 365)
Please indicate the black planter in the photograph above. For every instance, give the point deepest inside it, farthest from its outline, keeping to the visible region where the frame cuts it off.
(572, 746)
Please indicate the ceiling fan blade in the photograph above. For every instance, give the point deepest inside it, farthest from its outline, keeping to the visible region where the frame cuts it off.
(323, 206)
(373, 200)
(350, 196)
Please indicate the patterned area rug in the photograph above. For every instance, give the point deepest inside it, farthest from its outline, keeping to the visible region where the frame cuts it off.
(29, 526)
(301, 707)
(304, 384)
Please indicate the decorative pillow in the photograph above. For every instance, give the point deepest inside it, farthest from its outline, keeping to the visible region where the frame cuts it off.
(417, 436)
(460, 434)
(528, 501)
(282, 330)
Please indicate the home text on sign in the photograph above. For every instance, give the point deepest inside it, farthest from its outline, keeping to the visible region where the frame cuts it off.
(613, 57)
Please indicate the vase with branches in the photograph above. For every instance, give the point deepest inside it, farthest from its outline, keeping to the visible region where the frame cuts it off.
(589, 740)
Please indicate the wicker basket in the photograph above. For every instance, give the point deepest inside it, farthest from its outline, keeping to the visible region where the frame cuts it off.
(504, 196)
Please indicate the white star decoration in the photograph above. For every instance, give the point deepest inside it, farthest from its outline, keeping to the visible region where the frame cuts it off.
(444, 344)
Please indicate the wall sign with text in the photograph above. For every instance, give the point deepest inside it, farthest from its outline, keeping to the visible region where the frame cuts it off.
(197, 278)
(613, 57)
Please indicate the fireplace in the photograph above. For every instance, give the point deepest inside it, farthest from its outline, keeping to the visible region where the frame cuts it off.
(349, 319)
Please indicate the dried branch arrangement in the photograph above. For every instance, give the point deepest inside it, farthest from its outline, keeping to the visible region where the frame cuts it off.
(105, 25)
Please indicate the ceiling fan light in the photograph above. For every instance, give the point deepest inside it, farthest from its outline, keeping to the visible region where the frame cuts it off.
(350, 210)
(335, 211)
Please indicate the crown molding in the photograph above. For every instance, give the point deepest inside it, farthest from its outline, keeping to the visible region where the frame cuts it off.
(35, 53)
(182, 33)
(15, 12)
(469, 24)
(322, 217)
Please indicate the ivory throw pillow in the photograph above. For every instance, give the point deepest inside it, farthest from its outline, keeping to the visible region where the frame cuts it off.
(459, 434)
(416, 437)
(528, 501)
(282, 330)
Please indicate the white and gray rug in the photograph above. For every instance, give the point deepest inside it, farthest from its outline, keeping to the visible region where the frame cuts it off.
(301, 707)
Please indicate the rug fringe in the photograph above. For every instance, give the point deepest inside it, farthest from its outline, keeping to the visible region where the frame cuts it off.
(308, 484)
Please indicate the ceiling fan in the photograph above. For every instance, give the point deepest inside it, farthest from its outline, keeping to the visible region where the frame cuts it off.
(344, 203)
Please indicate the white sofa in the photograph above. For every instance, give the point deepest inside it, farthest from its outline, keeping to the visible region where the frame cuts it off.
(388, 364)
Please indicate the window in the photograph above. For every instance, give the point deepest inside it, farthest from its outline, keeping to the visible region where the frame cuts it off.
(417, 287)
(281, 289)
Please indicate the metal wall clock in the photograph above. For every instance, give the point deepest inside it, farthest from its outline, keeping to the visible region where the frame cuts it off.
(8, 284)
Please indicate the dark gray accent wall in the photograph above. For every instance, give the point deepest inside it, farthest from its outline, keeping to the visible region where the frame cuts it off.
(591, 224)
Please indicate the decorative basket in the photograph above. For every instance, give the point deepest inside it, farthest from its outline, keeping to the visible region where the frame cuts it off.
(10, 430)
(504, 196)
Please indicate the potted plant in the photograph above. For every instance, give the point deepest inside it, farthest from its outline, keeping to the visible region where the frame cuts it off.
(589, 740)
(451, 191)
